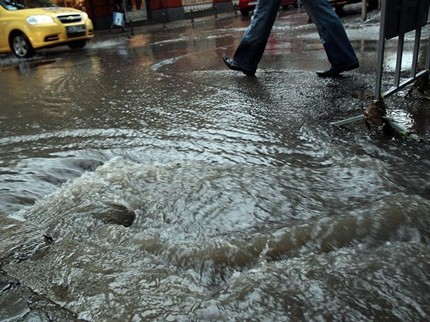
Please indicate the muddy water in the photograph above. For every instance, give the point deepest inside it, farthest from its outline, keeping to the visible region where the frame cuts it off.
(141, 180)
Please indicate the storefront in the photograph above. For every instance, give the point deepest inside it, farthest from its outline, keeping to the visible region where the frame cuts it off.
(77, 4)
(137, 11)
(171, 10)
(100, 11)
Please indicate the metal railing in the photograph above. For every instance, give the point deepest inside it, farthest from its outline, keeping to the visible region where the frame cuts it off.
(398, 17)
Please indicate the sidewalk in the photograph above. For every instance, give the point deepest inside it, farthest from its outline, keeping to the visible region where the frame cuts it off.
(409, 107)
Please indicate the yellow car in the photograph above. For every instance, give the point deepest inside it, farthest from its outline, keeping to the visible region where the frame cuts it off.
(27, 25)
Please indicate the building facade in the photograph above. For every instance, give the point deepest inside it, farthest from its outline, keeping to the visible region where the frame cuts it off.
(138, 11)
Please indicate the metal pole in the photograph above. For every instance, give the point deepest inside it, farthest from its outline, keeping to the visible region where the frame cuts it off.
(381, 50)
(416, 51)
(124, 10)
(364, 9)
(428, 54)
(131, 29)
(401, 41)
(164, 15)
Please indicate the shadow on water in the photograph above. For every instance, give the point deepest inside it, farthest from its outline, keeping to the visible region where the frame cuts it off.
(25, 66)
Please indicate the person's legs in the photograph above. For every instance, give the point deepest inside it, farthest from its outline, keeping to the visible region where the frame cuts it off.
(339, 51)
(254, 40)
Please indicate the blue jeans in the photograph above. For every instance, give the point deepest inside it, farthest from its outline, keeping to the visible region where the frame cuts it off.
(332, 33)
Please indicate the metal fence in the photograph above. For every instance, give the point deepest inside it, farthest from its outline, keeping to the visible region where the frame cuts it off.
(399, 17)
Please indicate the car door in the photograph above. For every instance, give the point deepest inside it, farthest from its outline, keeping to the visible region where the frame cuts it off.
(3, 38)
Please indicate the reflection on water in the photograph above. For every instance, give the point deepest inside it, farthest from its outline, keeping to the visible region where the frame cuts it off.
(149, 183)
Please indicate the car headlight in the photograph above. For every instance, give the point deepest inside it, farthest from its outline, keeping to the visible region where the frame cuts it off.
(39, 19)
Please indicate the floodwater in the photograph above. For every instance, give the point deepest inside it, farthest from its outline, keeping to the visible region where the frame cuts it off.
(141, 180)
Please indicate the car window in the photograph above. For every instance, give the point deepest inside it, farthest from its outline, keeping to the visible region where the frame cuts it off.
(25, 4)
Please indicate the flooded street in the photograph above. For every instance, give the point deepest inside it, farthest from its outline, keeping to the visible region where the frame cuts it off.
(141, 180)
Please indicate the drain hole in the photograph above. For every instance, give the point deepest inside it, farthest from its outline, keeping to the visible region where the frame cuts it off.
(116, 215)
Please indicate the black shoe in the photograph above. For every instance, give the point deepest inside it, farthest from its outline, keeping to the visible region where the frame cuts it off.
(235, 66)
(336, 71)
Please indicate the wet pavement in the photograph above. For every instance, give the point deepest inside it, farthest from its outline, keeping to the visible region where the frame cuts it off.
(141, 179)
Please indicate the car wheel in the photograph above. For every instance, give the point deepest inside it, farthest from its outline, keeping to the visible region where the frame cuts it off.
(21, 46)
(77, 44)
